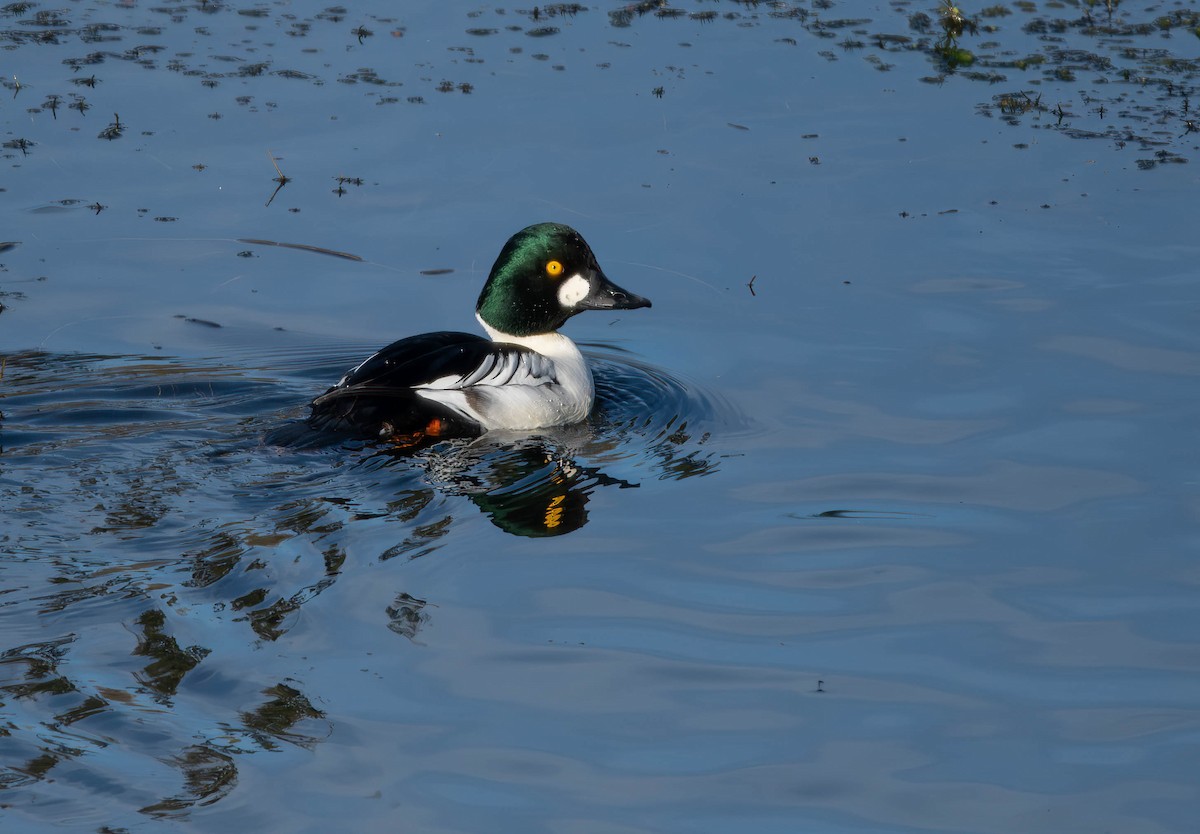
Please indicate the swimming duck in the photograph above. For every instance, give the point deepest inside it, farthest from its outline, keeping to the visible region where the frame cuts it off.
(526, 375)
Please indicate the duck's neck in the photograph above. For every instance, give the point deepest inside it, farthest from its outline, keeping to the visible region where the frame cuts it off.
(553, 344)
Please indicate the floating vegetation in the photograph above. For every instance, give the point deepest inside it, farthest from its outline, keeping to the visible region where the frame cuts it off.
(1132, 89)
(557, 10)
(342, 181)
(954, 24)
(22, 145)
(1105, 69)
(296, 75)
(625, 15)
(114, 130)
(955, 56)
(366, 75)
(1020, 102)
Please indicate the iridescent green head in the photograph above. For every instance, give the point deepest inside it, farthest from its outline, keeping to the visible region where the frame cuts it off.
(545, 274)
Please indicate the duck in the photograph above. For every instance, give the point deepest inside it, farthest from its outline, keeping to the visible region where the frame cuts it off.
(525, 375)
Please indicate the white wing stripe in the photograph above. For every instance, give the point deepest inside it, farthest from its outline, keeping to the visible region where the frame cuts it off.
(500, 368)
(480, 372)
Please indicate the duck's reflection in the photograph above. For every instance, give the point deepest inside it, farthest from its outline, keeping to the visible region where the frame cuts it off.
(527, 485)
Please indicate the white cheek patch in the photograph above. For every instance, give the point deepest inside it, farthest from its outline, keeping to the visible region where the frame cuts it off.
(573, 290)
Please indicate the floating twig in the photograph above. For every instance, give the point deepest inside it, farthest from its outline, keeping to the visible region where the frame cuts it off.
(282, 179)
(304, 247)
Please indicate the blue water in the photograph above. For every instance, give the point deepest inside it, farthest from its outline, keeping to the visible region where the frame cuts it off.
(885, 521)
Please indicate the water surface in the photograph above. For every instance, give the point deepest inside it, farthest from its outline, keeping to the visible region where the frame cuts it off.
(885, 521)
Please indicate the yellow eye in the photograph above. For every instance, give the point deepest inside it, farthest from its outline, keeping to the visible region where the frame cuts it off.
(554, 269)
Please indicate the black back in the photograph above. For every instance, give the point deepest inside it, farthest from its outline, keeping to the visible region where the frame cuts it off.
(376, 399)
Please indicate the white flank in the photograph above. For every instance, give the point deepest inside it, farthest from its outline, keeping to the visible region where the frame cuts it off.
(528, 400)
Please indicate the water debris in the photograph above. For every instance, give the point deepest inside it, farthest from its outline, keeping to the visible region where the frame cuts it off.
(858, 515)
(464, 87)
(1019, 102)
(954, 56)
(304, 247)
(953, 21)
(557, 9)
(624, 16)
(737, 126)
(22, 145)
(406, 615)
(114, 131)
(436, 271)
(281, 179)
(361, 32)
(342, 182)
(192, 320)
(750, 285)
(51, 103)
(9, 245)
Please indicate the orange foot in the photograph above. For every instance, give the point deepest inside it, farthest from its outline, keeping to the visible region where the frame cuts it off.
(436, 427)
